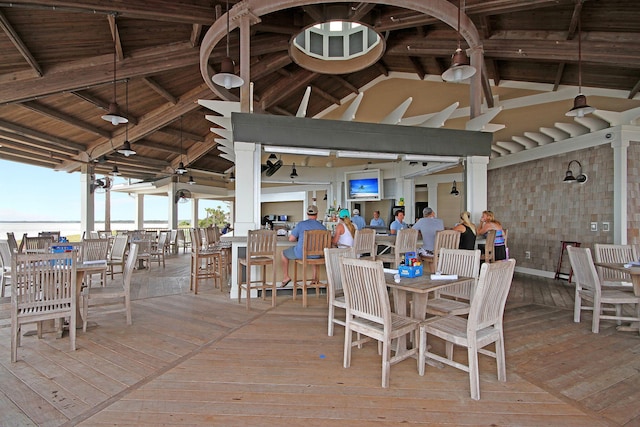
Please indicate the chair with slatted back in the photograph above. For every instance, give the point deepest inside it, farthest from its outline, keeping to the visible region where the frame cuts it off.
(13, 244)
(406, 241)
(368, 313)
(334, 283)
(315, 241)
(456, 299)
(205, 263)
(445, 239)
(609, 278)
(482, 327)
(261, 252)
(364, 243)
(95, 250)
(118, 294)
(36, 245)
(43, 287)
(489, 248)
(158, 249)
(116, 256)
(5, 266)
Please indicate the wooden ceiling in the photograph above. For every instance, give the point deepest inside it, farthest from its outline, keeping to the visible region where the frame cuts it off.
(57, 75)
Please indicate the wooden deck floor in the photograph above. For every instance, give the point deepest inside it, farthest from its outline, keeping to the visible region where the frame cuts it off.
(204, 360)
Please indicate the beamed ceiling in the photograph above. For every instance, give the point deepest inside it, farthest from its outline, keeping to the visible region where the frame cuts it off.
(56, 72)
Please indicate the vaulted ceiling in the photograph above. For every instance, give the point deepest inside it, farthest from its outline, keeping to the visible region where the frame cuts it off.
(57, 75)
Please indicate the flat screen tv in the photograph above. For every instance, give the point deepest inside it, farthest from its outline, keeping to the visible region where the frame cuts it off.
(363, 185)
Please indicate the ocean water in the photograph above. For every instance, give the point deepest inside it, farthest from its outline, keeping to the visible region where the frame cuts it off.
(67, 228)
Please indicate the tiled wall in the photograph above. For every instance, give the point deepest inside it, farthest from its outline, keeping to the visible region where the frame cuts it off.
(633, 191)
(540, 210)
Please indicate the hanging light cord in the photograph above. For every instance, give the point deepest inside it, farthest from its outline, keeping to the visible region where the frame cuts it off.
(115, 53)
(579, 56)
(459, 7)
(126, 92)
(181, 139)
(228, 29)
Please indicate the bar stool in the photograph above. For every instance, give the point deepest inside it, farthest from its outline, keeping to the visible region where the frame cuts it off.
(261, 251)
(559, 267)
(205, 264)
(312, 255)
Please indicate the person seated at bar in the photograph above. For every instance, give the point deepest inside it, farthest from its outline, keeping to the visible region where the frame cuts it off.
(344, 232)
(376, 221)
(489, 222)
(297, 235)
(398, 223)
(428, 225)
(357, 220)
(468, 232)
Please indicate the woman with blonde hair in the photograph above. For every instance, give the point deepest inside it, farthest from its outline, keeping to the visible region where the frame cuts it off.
(468, 230)
(344, 231)
(489, 222)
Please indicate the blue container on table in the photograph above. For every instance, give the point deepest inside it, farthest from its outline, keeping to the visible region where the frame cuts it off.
(59, 249)
(409, 270)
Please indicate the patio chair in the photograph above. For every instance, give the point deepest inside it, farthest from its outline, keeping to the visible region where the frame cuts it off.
(114, 294)
(455, 299)
(334, 283)
(449, 239)
(116, 256)
(173, 242)
(158, 249)
(261, 252)
(588, 288)
(364, 244)
(609, 278)
(315, 241)
(183, 239)
(406, 241)
(13, 244)
(205, 264)
(489, 248)
(36, 245)
(43, 287)
(5, 266)
(482, 327)
(95, 250)
(368, 313)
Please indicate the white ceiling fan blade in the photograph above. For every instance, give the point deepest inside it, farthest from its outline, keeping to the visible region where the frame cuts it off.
(437, 120)
(478, 123)
(350, 113)
(394, 117)
(302, 109)
(224, 122)
(224, 108)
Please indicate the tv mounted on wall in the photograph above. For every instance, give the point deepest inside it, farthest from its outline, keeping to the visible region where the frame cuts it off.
(363, 185)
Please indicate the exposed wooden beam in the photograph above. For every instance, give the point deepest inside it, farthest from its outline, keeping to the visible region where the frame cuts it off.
(269, 64)
(160, 90)
(115, 36)
(315, 12)
(301, 78)
(22, 147)
(57, 115)
(635, 90)
(40, 136)
(196, 32)
(185, 135)
(359, 11)
(332, 99)
(22, 157)
(343, 82)
(17, 140)
(156, 146)
(19, 44)
(103, 105)
(417, 66)
(559, 73)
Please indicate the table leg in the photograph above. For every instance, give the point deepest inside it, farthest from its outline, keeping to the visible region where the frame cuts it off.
(633, 326)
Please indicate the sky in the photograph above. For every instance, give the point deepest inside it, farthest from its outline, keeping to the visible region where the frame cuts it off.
(33, 193)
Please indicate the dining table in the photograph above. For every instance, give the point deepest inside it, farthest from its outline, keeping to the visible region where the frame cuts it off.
(634, 272)
(418, 288)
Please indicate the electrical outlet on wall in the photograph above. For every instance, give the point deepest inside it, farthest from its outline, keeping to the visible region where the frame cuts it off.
(594, 226)
(605, 226)
(527, 255)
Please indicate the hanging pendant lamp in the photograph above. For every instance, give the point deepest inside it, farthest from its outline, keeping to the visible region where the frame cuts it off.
(181, 170)
(227, 76)
(114, 116)
(460, 66)
(126, 149)
(580, 106)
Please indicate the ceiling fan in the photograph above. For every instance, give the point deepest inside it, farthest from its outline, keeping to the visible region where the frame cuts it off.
(272, 167)
(182, 196)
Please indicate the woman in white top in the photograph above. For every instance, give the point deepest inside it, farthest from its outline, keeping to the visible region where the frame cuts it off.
(344, 231)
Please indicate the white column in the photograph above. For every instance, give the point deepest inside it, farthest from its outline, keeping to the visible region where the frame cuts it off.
(476, 186)
(409, 191)
(139, 220)
(620, 146)
(194, 213)
(87, 204)
(172, 222)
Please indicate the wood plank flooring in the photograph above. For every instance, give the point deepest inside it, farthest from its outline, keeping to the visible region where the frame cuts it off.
(204, 360)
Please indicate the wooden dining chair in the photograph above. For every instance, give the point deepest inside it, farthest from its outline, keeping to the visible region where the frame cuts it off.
(115, 294)
(613, 279)
(158, 249)
(456, 299)
(334, 283)
(489, 248)
(406, 241)
(36, 245)
(43, 287)
(315, 241)
(368, 313)
(449, 239)
(364, 244)
(95, 250)
(261, 252)
(205, 263)
(588, 288)
(116, 256)
(5, 266)
(482, 327)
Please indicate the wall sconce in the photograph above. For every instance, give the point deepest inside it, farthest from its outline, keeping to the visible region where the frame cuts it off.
(569, 178)
(454, 190)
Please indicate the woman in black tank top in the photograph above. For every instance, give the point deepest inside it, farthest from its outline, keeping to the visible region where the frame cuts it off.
(468, 230)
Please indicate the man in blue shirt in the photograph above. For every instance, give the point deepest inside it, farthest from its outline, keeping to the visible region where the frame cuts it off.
(357, 220)
(398, 224)
(376, 221)
(428, 226)
(297, 234)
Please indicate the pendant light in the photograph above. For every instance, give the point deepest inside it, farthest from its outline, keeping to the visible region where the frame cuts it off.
(460, 67)
(227, 77)
(580, 106)
(181, 169)
(454, 190)
(114, 116)
(294, 172)
(126, 149)
(115, 171)
(191, 180)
